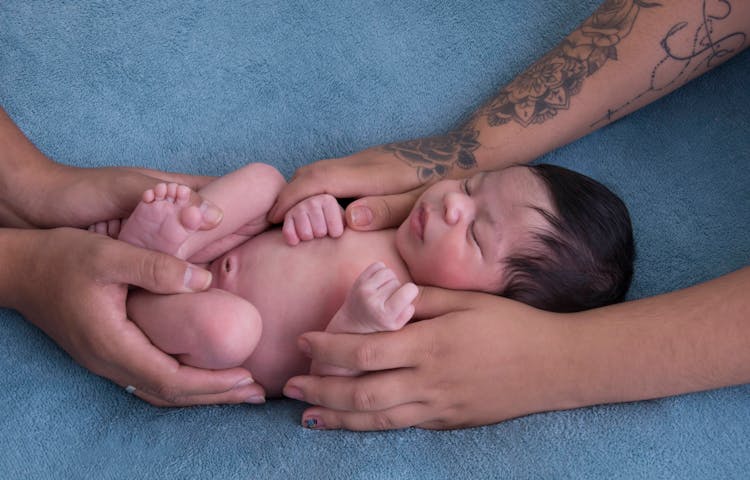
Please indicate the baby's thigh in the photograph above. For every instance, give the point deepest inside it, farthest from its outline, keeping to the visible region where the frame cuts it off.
(212, 329)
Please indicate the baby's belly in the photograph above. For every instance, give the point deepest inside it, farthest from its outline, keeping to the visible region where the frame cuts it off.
(295, 289)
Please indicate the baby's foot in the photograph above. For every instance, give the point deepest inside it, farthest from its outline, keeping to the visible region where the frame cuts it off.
(163, 220)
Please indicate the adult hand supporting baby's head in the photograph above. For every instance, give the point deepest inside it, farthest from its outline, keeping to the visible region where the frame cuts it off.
(474, 359)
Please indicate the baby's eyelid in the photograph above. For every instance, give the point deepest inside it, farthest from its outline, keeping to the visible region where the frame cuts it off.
(474, 237)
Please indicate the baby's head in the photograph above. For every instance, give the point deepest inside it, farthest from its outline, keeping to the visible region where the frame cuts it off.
(542, 235)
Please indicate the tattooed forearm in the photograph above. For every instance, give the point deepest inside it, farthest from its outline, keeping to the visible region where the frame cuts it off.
(434, 157)
(692, 54)
(537, 94)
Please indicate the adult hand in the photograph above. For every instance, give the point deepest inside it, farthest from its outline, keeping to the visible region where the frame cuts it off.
(74, 288)
(479, 359)
(366, 173)
(69, 196)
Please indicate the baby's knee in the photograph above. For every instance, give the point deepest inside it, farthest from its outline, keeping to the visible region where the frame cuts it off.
(233, 332)
(266, 175)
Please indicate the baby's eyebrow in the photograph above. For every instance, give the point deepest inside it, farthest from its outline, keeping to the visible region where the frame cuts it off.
(478, 183)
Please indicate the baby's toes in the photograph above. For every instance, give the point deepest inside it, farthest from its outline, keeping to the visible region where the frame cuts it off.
(182, 195)
(160, 191)
(172, 192)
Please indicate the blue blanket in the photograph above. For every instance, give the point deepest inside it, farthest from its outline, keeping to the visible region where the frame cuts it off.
(205, 87)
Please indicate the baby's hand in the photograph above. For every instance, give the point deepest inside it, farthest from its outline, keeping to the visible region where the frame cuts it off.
(378, 301)
(314, 217)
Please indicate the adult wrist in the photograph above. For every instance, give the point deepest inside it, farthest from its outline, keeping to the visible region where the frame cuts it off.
(17, 249)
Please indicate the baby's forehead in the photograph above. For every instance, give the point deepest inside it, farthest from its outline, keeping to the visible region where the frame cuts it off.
(516, 194)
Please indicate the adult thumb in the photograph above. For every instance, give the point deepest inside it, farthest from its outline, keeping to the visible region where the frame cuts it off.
(156, 272)
(379, 212)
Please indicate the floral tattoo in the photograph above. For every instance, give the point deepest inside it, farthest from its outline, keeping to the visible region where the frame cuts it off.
(540, 92)
(534, 96)
(434, 157)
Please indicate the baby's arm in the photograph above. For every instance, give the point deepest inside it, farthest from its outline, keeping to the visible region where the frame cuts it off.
(313, 217)
(377, 302)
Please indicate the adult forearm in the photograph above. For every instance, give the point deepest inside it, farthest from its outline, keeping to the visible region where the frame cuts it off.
(626, 55)
(686, 341)
(22, 167)
(15, 246)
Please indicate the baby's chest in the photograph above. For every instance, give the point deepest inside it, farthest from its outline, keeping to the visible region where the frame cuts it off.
(299, 285)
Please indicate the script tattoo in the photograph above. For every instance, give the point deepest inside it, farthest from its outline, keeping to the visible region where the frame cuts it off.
(704, 51)
(541, 91)
(434, 157)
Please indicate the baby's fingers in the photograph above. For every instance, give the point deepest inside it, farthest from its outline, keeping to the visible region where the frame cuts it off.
(399, 304)
(318, 222)
(289, 231)
(334, 216)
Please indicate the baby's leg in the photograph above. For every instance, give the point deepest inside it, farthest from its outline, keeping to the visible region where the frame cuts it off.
(377, 302)
(213, 329)
(166, 220)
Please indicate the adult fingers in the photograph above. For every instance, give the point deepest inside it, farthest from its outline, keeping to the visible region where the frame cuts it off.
(153, 271)
(369, 393)
(379, 212)
(434, 302)
(223, 393)
(307, 181)
(161, 380)
(407, 347)
(401, 416)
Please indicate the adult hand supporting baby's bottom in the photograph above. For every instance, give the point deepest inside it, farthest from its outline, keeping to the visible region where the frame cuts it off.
(72, 284)
(476, 359)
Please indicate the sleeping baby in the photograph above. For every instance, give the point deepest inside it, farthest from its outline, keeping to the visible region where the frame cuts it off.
(542, 234)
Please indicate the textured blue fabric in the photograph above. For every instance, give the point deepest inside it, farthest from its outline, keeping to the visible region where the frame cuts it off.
(205, 87)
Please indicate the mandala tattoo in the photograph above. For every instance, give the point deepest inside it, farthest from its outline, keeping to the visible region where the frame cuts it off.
(434, 157)
(541, 91)
(706, 51)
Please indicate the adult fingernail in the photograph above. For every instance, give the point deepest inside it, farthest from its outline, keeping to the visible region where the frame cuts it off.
(211, 213)
(294, 392)
(197, 279)
(257, 399)
(243, 383)
(313, 423)
(360, 216)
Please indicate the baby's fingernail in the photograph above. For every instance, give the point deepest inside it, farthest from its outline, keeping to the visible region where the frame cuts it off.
(197, 279)
(257, 399)
(360, 216)
(313, 423)
(211, 213)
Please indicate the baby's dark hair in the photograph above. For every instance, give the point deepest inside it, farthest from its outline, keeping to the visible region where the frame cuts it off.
(585, 259)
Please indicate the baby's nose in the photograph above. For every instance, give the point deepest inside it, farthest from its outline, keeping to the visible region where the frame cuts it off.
(453, 208)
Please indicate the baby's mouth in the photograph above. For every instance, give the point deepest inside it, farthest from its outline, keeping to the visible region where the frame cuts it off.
(418, 221)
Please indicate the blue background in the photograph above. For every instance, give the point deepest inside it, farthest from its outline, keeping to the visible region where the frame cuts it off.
(207, 87)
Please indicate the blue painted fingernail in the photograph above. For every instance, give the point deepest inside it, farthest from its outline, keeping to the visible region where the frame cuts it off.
(313, 423)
